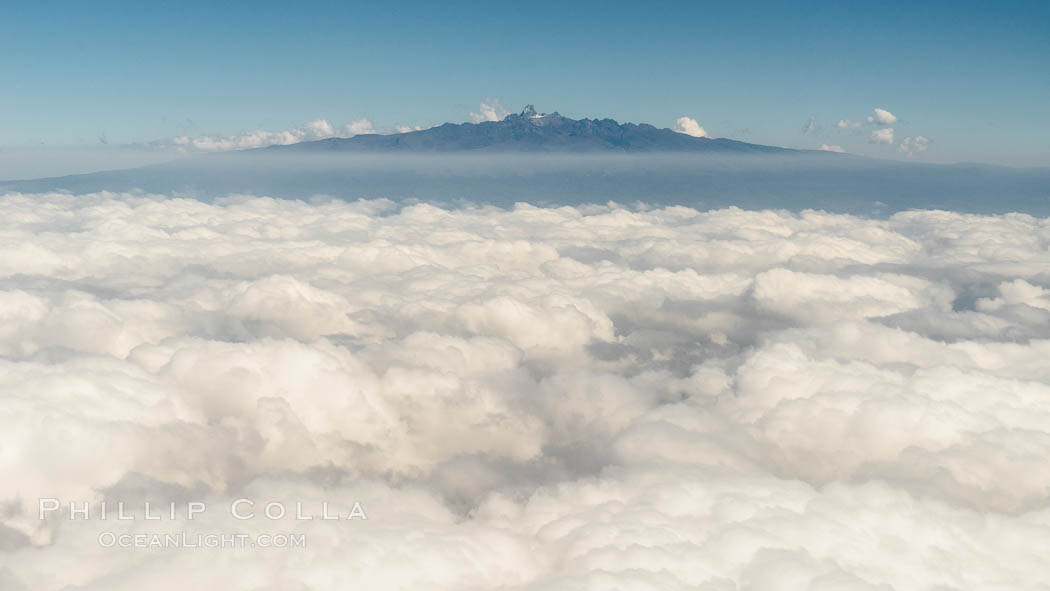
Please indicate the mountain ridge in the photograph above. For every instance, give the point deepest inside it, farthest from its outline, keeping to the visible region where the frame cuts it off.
(529, 131)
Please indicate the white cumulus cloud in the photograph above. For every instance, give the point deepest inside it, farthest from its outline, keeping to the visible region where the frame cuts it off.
(882, 136)
(527, 398)
(689, 126)
(881, 117)
(491, 110)
(911, 145)
(831, 148)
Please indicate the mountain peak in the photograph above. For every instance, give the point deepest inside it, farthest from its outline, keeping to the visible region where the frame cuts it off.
(530, 115)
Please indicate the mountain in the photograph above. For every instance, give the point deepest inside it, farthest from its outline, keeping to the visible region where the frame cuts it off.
(549, 159)
(530, 131)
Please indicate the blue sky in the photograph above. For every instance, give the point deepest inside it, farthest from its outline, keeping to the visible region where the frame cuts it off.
(972, 78)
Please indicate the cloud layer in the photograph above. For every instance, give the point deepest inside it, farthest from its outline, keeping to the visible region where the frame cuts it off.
(570, 398)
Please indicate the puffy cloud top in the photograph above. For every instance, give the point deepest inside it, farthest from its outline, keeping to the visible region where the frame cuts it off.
(689, 126)
(883, 117)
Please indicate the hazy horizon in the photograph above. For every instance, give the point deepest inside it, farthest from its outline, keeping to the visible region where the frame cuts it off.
(795, 181)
